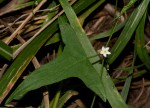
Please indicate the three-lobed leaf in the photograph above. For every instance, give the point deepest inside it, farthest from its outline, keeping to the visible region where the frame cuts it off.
(72, 63)
(23, 59)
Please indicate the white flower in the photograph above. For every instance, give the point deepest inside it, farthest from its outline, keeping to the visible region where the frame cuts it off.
(104, 51)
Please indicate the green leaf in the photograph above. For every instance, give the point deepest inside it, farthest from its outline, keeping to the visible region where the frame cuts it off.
(56, 38)
(126, 87)
(65, 98)
(5, 51)
(140, 43)
(72, 63)
(76, 54)
(130, 68)
(108, 32)
(112, 94)
(23, 59)
(128, 31)
(135, 75)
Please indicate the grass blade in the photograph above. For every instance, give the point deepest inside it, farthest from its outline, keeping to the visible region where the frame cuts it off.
(22, 61)
(128, 31)
(126, 87)
(140, 44)
(65, 66)
(108, 32)
(5, 51)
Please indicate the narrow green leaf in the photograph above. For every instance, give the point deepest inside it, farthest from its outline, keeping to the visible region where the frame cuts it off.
(21, 62)
(126, 87)
(74, 50)
(135, 75)
(140, 43)
(5, 51)
(107, 33)
(128, 31)
(130, 68)
(65, 98)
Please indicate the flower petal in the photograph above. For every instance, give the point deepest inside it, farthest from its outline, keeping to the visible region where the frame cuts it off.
(104, 51)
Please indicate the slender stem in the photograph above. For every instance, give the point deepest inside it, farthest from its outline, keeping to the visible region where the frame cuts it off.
(112, 33)
(93, 56)
(101, 71)
(93, 101)
(114, 25)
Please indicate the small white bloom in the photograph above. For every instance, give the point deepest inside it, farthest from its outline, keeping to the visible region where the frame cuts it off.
(104, 51)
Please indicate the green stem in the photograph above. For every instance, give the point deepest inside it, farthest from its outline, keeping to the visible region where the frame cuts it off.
(101, 71)
(93, 101)
(112, 32)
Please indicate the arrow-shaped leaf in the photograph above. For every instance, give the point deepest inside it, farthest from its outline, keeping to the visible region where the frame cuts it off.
(23, 59)
(72, 63)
